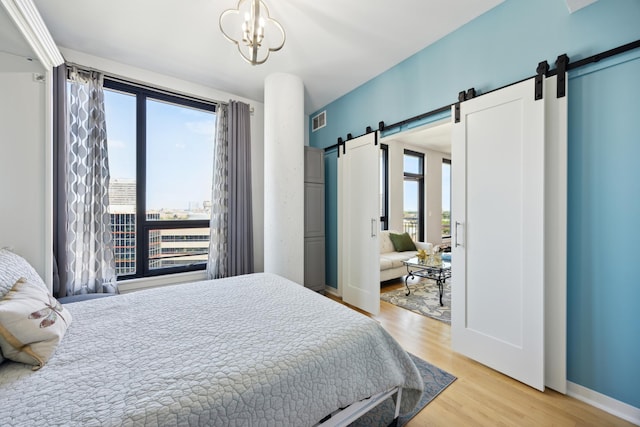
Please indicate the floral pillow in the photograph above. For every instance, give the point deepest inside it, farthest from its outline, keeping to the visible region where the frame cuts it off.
(32, 323)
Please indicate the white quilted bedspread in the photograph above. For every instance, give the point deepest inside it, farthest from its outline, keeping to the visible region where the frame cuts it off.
(255, 350)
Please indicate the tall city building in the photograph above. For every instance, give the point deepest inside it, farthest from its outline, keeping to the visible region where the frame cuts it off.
(122, 209)
(167, 247)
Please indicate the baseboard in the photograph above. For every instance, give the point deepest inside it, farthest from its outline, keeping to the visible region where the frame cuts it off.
(331, 290)
(606, 403)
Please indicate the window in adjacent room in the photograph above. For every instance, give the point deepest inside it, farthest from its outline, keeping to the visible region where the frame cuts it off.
(413, 219)
(161, 165)
(446, 198)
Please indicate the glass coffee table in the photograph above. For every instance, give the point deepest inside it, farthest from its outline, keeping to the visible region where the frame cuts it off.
(427, 269)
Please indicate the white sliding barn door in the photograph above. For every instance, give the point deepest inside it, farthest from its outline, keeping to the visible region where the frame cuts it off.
(498, 219)
(358, 226)
(555, 289)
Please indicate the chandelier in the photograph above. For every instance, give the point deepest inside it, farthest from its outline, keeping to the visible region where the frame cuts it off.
(251, 28)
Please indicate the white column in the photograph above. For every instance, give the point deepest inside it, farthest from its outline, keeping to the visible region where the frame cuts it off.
(284, 176)
(433, 197)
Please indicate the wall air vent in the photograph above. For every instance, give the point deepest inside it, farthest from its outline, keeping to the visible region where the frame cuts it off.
(319, 121)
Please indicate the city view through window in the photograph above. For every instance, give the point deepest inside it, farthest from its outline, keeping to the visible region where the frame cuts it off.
(446, 198)
(411, 203)
(177, 165)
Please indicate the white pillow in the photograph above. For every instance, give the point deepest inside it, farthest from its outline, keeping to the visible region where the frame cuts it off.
(12, 268)
(32, 323)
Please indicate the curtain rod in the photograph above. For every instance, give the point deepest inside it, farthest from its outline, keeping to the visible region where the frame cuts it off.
(570, 66)
(143, 85)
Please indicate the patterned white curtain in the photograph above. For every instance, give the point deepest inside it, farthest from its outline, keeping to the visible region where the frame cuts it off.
(217, 262)
(90, 264)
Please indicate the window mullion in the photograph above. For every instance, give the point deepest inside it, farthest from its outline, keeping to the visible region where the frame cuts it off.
(142, 233)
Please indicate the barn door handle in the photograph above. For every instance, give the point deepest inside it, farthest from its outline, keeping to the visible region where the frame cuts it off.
(373, 227)
(456, 234)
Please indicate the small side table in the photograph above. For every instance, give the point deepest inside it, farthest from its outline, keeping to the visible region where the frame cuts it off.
(438, 272)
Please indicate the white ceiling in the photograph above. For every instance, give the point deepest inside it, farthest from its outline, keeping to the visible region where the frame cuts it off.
(15, 53)
(11, 41)
(332, 45)
(435, 136)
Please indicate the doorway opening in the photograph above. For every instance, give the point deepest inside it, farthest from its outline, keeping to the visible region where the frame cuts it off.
(418, 193)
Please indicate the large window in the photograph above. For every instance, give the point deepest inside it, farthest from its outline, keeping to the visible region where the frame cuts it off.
(413, 220)
(446, 198)
(161, 166)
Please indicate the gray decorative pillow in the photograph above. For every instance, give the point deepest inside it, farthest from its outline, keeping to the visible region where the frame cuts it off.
(12, 268)
(32, 323)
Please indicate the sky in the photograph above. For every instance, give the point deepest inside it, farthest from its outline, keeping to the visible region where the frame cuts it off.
(179, 150)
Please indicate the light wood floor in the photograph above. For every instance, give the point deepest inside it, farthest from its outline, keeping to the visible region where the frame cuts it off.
(480, 396)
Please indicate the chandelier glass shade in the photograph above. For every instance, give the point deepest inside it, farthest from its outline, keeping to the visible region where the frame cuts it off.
(251, 28)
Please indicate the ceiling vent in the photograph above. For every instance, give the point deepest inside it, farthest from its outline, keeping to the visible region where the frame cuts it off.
(319, 121)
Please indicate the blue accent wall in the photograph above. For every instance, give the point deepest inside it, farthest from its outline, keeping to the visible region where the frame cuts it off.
(603, 287)
(505, 45)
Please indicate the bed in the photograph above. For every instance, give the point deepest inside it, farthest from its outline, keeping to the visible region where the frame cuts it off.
(250, 350)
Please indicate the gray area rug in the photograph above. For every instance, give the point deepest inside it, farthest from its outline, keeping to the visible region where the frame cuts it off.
(435, 381)
(424, 299)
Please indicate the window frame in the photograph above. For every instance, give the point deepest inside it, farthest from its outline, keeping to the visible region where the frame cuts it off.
(144, 226)
(419, 178)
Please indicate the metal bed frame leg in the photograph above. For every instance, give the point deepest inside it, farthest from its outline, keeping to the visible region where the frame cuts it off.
(394, 423)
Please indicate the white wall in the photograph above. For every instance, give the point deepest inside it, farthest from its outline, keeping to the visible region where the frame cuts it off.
(433, 189)
(433, 196)
(396, 185)
(23, 194)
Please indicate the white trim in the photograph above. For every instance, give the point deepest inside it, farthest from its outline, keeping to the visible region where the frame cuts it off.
(48, 173)
(131, 285)
(333, 291)
(26, 17)
(606, 403)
